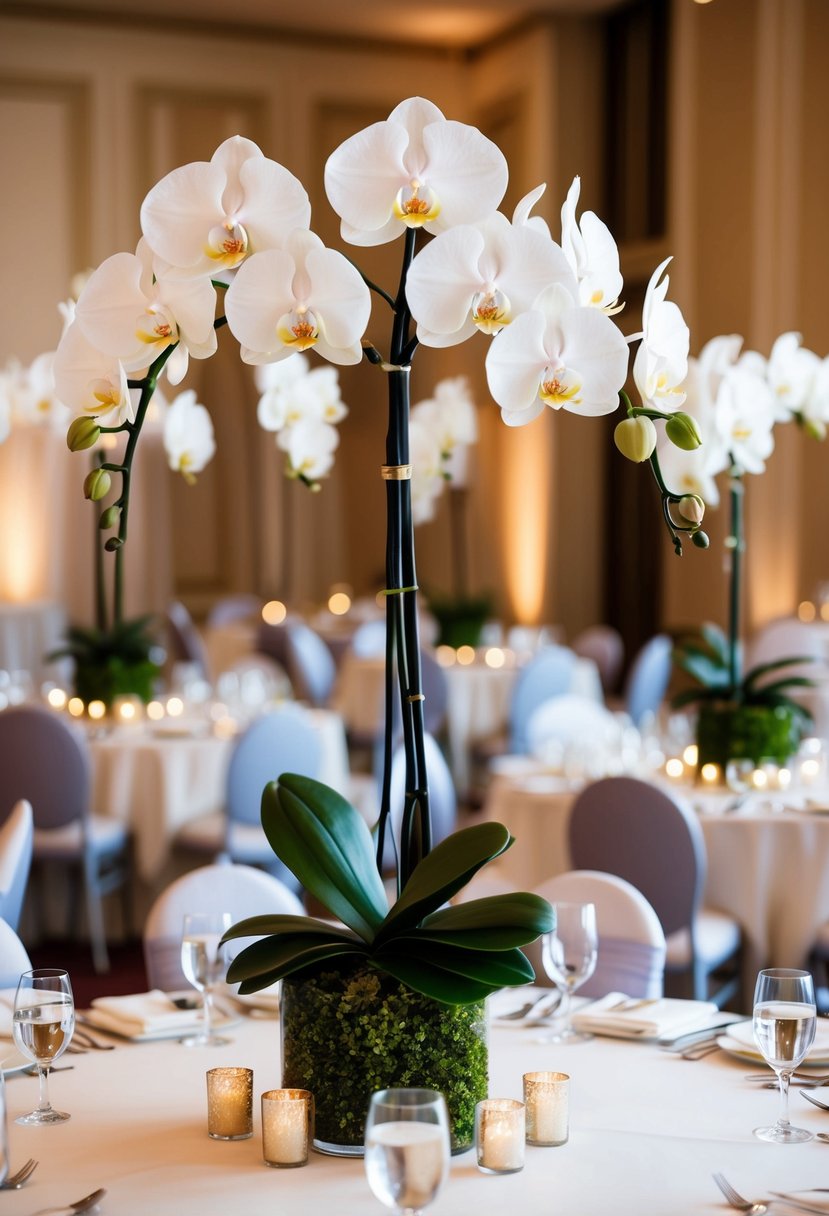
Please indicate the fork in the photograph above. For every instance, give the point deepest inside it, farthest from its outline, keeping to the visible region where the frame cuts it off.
(15, 1181)
(523, 1010)
(812, 1080)
(757, 1207)
(814, 1101)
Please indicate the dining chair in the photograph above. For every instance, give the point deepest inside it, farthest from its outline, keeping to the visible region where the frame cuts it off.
(631, 957)
(238, 889)
(369, 640)
(185, 641)
(604, 646)
(627, 827)
(648, 678)
(443, 801)
(572, 721)
(232, 608)
(548, 674)
(283, 740)
(310, 664)
(16, 843)
(45, 760)
(14, 958)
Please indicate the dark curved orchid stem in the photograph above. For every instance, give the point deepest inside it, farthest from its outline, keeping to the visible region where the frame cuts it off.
(736, 544)
(668, 496)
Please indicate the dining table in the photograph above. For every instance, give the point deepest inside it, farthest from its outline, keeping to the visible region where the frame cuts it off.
(648, 1129)
(767, 857)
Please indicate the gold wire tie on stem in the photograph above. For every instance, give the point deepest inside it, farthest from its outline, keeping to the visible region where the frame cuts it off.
(399, 590)
(396, 472)
(416, 696)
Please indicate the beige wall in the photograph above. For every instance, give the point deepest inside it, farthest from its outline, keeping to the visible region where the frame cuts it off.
(91, 116)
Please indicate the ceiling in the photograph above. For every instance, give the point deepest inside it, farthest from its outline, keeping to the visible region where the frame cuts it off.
(453, 24)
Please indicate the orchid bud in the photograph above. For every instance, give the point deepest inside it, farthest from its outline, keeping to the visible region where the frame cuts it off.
(96, 485)
(82, 433)
(109, 517)
(635, 438)
(113, 543)
(700, 539)
(692, 508)
(682, 431)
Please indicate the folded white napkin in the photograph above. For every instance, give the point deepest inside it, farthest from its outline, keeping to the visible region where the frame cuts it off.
(626, 1017)
(742, 1035)
(143, 1013)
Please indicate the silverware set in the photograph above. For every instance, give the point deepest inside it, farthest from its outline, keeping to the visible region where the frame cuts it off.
(757, 1207)
(15, 1181)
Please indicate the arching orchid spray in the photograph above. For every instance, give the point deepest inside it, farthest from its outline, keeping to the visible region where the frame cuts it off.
(229, 242)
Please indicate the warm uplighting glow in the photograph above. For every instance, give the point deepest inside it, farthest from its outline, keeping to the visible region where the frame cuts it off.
(155, 711)
(128, 708)
(446, 656)
(339, 603)
(57, 698)
(225, 727)
(466, 655)
(495, 657)
(274, 612)
(824, 612)
(806, 611)
(675, 768)
(710, 773)
(75, 706)
(809, 771)
(107, 443)
(784, 778)
(175, 707)
(691, 755)
(759, 779)
(96, 710)
(526, 490)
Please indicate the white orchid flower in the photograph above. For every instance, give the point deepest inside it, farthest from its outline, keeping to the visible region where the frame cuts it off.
(744, 419)
(277, 383)
(815, 409)
(89, 381)
(322, 390)
(415, 169)
(480, 277)
(791, 373)
(32, 394)
(208, 216)
(695, 472)
(188, 435)
(557, 354)
(298, 298)
(521, 214)
(310, 446)
(5, 414)
(661, 362)
(592, 254)
(428, 480)
(451, 418)
(127, 311)
(687, 472)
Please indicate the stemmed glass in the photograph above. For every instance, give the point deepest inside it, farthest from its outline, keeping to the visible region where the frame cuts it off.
(43, 1022)
(203, 962)
(785, 1020)
(407, 1148)
(569, 958)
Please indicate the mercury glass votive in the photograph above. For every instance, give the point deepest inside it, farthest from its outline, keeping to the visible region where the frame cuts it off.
(230, 1103)
(287, 1127)
(547, 1099)
(128, 708)
(499, 1135)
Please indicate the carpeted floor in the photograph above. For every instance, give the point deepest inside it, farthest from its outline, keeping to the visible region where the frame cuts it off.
(126, 972)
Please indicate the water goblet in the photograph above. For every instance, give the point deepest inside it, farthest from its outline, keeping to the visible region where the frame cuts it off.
(569, 958)
(42, 1025)
(785, 1020)
(204, 961)
(407, 1148)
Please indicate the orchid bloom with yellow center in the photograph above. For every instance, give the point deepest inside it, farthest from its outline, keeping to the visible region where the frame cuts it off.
(208, 217)
(661, 362)
(300, 297)
(91, 382)
(188, 436)
(558, 354)
(415, 169)
(481, 276)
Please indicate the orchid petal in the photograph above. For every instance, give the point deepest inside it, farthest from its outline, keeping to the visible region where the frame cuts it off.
(257, 298)
(180, 211)
(467, 171)
(443, 278)
(230, 157)
(339, 294)
(275, 203)
(515, 361)
(109, 305)
(522, 417)
(89, 381)
(363, 176)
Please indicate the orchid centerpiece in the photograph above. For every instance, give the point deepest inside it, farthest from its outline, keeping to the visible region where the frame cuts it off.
(228, 242)
(737, 397)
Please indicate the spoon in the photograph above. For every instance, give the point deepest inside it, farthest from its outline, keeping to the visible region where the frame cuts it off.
(80, 1205)
(822, 1136)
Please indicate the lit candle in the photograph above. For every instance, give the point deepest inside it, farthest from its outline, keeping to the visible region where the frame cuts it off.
(287, 1127)
(230, 1103)
(710, 774)
(691, 755)
(466, 655)
(547, 1100)
(499, 1135)
(675, 769)
(128, 708)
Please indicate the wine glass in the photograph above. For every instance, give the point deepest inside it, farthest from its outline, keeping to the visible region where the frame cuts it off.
(785, 1019)
(569, 958)
(42, 1024)
(407, 1148)
(203, 961)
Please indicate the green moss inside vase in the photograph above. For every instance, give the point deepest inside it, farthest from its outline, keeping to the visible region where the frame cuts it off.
(729, 731)
(347, 1034)
(114, 662)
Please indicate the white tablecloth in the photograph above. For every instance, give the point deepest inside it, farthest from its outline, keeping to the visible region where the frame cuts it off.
(647, 1130)
(768, 869)
(27, 633)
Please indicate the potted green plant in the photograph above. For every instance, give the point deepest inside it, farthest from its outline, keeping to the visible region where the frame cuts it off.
(113, 662)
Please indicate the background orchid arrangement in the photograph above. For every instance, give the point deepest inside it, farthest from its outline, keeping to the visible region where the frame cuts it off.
(442, 428)
(228, 242)
(736, 398)
(301, 406)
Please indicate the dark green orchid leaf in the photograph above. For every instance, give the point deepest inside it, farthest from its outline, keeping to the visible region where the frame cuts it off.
(709, 672)
(448, 964)
(779, 700)
(283, 954)
(751, 677)
(432, 981)
(491, 939)
(774, 686)
(689, 696)
(519, 913)
(716, 640)
(444, 872)
(326, 844)
(258, 926)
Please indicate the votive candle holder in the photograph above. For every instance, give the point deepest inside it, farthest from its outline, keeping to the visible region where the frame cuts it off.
(499, 1135)
(287, 1127)
(547, 1099)
(230, 1103)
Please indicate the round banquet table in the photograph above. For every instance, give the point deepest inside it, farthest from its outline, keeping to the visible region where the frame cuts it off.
(769, 869)
(647, 1130)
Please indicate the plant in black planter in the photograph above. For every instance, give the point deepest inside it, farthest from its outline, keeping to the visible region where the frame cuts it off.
(736, 400)
(113, 662)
